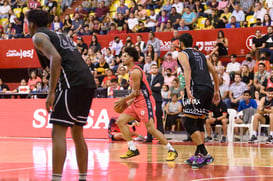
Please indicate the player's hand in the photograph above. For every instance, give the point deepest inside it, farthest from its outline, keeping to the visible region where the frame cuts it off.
(189, 95)
(49, 102)
(120, 102)
(216, 97)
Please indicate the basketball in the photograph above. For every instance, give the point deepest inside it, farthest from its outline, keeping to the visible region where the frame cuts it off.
(120, 109)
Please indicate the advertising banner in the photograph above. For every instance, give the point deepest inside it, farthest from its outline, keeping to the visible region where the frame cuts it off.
(20, 53)
(29, 118)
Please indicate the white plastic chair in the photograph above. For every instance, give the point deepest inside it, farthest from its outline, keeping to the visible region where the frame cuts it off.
(233, 125)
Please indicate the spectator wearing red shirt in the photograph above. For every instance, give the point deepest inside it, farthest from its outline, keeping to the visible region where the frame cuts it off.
(109, 76)
(101, 11)
(113, 29)
(34, 4)
(32, 81)
(82, 13)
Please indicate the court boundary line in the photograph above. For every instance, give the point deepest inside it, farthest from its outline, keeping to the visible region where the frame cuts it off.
(15, 169)
(234, 177)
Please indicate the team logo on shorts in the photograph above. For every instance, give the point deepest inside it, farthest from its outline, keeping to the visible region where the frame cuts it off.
(142, 113)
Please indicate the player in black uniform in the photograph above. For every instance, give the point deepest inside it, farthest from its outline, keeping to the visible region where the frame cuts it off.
(71, 89)
(199, 94)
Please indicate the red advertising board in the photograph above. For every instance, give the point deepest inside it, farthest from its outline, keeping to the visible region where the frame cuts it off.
(28, 118)
(20, 53)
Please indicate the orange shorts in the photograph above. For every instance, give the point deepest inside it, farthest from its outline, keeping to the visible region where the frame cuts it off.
(142, 109)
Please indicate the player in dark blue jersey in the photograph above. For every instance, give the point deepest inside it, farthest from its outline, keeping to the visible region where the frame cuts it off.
(71, 89)
(198, 96)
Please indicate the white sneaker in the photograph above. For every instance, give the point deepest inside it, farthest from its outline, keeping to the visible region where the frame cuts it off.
(139, 138)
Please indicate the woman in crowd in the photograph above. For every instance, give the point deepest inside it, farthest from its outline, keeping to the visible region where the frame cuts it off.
(33, 79)
(221, 44)
(216, 62)
(176, 89)
(152, 53)
(67, 24)
(95, 45)
(56, 24)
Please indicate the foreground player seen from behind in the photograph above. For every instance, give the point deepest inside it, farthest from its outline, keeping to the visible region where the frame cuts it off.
(71, 89)
(141, 106)
(198, 97)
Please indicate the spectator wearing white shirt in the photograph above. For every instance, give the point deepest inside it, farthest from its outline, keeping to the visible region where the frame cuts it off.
(233, 67)
(224, 75)
(132, 22)
(179, 6)
(148, 63)
(269, 4)
(238, 13)
(259, 11)
(223, 88)
(151, 21)
(116, 46)
(4, 10)
(140, 43)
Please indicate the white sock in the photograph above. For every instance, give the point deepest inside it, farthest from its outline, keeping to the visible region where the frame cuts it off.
(255, 133)
(82, 176)
(131, 145)
(169, 147)
(271, 133)
(56, 177)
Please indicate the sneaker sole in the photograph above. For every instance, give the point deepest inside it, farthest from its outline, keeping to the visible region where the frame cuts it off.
(128, 157)
(201, 165)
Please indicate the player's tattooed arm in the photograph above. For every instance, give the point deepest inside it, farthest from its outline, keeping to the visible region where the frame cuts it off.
(42, 43)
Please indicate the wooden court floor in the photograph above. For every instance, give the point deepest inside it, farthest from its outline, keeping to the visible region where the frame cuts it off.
(30, 160)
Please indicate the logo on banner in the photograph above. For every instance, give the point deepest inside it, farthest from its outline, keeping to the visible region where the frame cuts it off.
(205, 45)
(249, 41)
(21, 53)
(165, 45)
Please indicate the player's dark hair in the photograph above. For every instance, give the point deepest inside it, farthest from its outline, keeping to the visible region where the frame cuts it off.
(132, 52)
(39, 17)
(186, 39)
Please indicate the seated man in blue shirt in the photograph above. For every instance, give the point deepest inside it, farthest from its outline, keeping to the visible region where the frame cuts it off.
(247, 108)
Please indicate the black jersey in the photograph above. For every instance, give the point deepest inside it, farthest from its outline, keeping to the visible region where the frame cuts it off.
(74, 70)
(268, 103)
(199, 70)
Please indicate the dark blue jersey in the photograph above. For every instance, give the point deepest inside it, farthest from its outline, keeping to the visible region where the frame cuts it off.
(74, 70)
(199, 69)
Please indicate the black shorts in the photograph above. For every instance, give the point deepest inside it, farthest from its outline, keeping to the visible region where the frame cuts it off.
(267, 119)
(201, 105)
(72, 106)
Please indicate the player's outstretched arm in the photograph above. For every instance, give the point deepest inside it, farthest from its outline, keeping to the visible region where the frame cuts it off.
(43, 44)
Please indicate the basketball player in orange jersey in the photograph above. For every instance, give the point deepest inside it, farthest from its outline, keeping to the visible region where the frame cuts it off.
(141, 106)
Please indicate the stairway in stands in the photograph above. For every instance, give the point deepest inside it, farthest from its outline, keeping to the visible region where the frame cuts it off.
(74, 5)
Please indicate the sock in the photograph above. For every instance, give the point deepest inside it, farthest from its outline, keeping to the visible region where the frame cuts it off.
(169, 147)
(255, 133)
(131, 145)
(202, 149)
(82, 176)
(56, 177)
(196, 151)
(271, 133)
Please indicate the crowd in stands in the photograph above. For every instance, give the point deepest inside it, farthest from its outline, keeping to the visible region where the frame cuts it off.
(240, 83)
(129, 16)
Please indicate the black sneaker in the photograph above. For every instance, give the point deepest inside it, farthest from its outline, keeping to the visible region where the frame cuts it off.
(269, 140)
(208, 138)
(224, 139)
(253, 139)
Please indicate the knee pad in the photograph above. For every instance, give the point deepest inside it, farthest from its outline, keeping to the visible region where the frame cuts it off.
(190, 125)
(200, 124)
